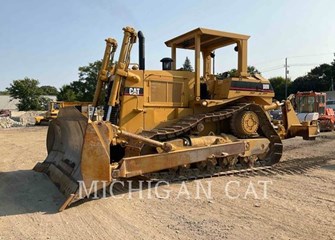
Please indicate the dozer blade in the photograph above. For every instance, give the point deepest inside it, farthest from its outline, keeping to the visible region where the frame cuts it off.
(78, 155)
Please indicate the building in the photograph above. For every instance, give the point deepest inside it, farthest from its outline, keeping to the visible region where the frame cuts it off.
(6, 102)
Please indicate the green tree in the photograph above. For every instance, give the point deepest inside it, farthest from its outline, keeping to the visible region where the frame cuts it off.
(66, 93)
(233, 72)
(84, 88)
(253, 70)
(44, 103)
(28, 92)
(187, 65)
(278, 85)
(49, 90)
(319, 79)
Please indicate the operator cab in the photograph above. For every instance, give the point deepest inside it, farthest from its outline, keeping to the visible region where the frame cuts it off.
(208, 86)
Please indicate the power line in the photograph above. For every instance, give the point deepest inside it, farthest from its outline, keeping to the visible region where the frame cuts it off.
(298, 56)
(303, 64)
(312, 55)
(270, 61)
(272, 68)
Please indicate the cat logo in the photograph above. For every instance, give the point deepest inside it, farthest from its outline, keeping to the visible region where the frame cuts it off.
(133, 91)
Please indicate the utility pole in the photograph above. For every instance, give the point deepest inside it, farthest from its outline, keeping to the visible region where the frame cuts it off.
(286, 71)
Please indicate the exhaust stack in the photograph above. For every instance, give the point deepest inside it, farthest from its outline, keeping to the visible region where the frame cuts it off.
(141, 50)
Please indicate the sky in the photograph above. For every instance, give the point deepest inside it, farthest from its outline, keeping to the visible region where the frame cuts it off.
(48, 40)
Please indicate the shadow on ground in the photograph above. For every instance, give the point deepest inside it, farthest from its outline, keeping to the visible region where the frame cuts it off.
(26, 191)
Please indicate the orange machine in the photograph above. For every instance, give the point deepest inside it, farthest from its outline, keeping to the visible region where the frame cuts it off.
(315, 102)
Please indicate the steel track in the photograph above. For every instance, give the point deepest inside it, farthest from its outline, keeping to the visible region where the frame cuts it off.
(184, 127)
(291, 167)
(284, 168)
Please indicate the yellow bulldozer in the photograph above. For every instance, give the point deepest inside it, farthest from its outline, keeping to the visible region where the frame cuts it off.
(166, 123)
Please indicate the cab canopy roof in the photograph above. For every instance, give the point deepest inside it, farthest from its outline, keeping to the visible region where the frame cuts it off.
(209, 39)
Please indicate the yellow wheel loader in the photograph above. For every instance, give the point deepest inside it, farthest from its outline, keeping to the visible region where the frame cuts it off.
(55, 106)
(167, 123)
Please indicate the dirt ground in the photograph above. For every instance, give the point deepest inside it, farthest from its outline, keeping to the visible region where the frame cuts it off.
(298, 204)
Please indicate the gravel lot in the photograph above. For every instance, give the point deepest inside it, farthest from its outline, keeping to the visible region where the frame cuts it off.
(298, 205)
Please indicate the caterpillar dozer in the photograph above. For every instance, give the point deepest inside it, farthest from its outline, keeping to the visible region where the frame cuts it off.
(165, 124)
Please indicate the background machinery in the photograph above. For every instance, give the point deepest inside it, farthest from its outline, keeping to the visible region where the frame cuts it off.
(165, 124)
(312, 106)
(55, 106)
(288, 124)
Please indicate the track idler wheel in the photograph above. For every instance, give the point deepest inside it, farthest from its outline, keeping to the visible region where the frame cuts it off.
(244, 124)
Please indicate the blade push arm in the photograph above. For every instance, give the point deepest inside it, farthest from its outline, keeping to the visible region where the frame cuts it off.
(111, 46)
(122, 66)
